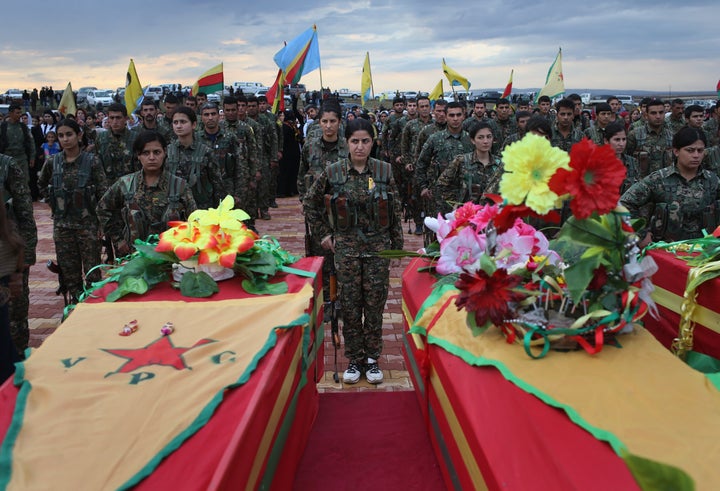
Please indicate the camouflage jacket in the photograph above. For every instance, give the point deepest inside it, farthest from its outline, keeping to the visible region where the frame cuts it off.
(465, 179)
(437, 153)
(15, 186)
(358, 189)
(198, 166)
(18, 143)
(316, 155)
(245, 136)
(711, 132)
(73, 204)
(391, 134)
(409, 140)
(649, 146)
(129, 201)
(163, 129)
(565, 142)
(425, 133)
(596, 134)
(679, 208)
(675, 124)
(115, 153)
(503, 129)
(515, 137)
(259, 134)
(582, 122)
(232, 157)
(632, 172)
(485, 119)
(711, 161)
(270, 139)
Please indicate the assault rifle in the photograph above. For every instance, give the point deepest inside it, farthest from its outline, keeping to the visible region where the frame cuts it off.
(334, 308)
(53, 267)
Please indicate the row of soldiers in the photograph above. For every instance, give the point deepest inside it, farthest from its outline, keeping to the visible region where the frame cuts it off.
(421, 142)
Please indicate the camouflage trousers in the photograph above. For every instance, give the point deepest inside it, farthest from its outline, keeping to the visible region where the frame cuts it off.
(274, 173)
(262, 192)
(363, 283)
(19, 308)
(78, 251)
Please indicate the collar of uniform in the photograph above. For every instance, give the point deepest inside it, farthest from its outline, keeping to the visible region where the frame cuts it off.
(700, 174)
(351, 167)
(161, 182)
(189, 147)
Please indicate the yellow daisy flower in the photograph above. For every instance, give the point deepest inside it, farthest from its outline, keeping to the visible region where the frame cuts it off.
(529, 165)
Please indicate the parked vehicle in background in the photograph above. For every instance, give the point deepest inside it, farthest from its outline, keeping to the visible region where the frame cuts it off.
(99, 98)
(410, 94)
(349, 94)
(4, 109)
(155, 92)
(247, 87)
(12, 95)
(82, 94)
(295, 89)
(214, 97)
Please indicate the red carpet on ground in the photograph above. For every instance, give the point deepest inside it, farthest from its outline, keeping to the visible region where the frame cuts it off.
(369, 440)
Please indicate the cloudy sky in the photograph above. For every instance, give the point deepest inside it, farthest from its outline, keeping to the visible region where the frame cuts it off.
(643, 44)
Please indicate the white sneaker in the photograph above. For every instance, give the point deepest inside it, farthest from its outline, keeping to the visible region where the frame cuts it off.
(352, 374)
(372, 372)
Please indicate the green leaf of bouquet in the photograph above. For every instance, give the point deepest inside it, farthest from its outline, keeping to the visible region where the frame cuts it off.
(156, 273)
(197, 285)
(148, 250)
(474, 328)
(398, 254)
(264, 288)
(261, 263)
(487, 264)
(589, 232)
(134, 285)
(579, 275)
(653, 475)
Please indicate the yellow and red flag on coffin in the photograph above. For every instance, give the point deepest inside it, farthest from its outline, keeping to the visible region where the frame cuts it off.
(210, 81)
(300, 56)
(100, 411)
(454, 77)
(67, 102)
(276, 95)
(554, 82)
(437, 92)
(133, 89)
(508, 88)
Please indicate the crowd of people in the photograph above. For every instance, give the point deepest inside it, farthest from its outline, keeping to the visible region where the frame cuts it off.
(111, 177)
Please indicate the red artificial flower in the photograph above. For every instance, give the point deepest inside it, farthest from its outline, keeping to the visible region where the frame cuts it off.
(488, 296)
(593, 180)
(464, 214)
(600, 277)
(716, 233)
(509, 213)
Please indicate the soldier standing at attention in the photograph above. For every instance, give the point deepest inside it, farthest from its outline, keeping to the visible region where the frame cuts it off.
(651, 141)
(264, 114)
(581, 120)
(616, 136)
(149, 120)
(468, 176)
(408, 152)
(604, 116)
(675, 119)
(388, 137)
(15, 186)
(267, 140)
(230, 154)
(317, 154)
(712, 127)
(353, 206)
(683, 197)
(522, 118)
(75, 182)
(171, 104)
(17, 141)
(394, 136)
(544, 105)
(615, 107)
(194, 161)
(142, 203)
(114, 147)
(505, 124)
(564, 134)
(439, 150)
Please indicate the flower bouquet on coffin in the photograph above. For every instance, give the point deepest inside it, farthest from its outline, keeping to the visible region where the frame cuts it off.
(579, 289)
(213, 245)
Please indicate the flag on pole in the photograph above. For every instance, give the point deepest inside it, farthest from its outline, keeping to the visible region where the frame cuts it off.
(210, 81)
(454, 77)
(718, 89)
(437, 92)
(276, 94)
(366, 85)
(133, 89)
(67, 101)
(508, 87)
(554, 82)
(300, 56)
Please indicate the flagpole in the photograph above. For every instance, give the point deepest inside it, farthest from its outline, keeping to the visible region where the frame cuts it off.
(320, 69)
(372, 87)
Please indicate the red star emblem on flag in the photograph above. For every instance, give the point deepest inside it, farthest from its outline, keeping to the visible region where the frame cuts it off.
(159, 352)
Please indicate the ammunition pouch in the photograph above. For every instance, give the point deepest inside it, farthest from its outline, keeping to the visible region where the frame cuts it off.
(341, 212)
(711, 217)
(666, 222)
(136, 222)
(229, 165)
(381, 210)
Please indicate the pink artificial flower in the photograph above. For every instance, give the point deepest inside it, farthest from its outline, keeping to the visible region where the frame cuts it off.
(484, 216)
(461, 252)
(465, 214)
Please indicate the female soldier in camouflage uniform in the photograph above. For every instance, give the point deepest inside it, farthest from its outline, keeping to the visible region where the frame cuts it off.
(616, 137)
(75, 182)
(683, 197)
(353, 205)
(142, 203)
(467, 177)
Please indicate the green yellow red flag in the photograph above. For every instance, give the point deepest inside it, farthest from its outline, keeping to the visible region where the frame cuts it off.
(508, 88)
(209, 82)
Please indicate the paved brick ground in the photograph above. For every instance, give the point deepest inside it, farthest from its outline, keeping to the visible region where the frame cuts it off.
(287, 226)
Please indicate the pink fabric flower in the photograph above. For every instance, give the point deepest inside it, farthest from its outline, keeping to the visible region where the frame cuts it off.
(484, 216)
(461, 252)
